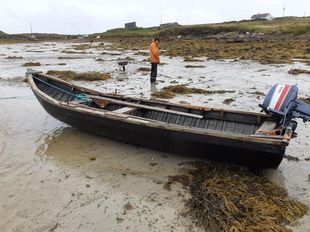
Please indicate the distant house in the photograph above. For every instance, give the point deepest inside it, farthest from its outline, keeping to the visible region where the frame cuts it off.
(32, 37)
(265, 16)
(130, 25)
(169, 25)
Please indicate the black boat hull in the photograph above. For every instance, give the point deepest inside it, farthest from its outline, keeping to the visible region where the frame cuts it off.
(252, 154)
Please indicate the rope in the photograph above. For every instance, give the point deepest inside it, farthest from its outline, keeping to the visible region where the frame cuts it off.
(53, 86)
(16, 97)
(269, 132)
(81, 97)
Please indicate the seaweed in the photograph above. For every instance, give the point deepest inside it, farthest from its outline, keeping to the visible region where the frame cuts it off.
(298, 71)
(230, 198)
(163, 94)
(227, 101)
(144, 69)
(14, 57)
(86, 76)
(192, 59)
(195, 66)
(182, 89)
(28, 64)
(305, 99)
(171, 90)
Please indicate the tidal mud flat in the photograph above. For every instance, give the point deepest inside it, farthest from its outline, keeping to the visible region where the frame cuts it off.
(57, 178)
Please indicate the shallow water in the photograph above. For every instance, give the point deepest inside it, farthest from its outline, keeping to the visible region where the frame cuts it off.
(55, 177)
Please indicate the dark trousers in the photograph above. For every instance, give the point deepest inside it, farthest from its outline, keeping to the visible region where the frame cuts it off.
(154, 72)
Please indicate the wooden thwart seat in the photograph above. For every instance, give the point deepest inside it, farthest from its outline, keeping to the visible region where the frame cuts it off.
(124, 110)
(135, 105)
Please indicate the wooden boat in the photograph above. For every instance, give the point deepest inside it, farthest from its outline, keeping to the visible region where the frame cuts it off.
(216, 134)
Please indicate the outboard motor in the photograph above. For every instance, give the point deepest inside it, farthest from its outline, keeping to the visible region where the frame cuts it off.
(282, 102)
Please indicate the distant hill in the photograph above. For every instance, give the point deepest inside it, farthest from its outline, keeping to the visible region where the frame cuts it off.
(3, 35)
(287, 26)
(35, 37)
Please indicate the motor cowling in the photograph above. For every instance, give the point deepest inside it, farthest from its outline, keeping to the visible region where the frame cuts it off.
(282, 102)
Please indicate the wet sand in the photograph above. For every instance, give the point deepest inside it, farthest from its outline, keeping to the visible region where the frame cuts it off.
(57, 178)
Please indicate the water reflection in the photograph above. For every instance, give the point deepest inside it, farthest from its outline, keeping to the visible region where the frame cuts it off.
(153, 87)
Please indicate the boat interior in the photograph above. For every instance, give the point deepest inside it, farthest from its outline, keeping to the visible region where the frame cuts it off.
(182, 115)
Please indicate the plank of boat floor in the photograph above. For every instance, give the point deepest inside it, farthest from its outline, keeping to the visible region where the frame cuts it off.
(63, 94)
(197, 123)
(59, 96)
(173, 119)
(151, 112)
(160, 116)
(186, 121)
(144, 106)
(49, 91)
(190, 121)
(233, 127)
(70, 98)
(229, 127)
(211, 124)
(241, 128)
(247, 129)
(147, 114)
(64, 97)
(202, 123)
(53, 93)
(218, 124)
(223, 127)
(43, 88)
(182, 120)
(165, 117)
(178, 119)
(154, 117)
(168, 117)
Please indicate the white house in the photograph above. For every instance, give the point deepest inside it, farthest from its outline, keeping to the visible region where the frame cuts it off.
(265, 16)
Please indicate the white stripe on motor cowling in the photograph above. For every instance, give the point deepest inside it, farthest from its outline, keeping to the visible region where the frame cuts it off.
(275, 97)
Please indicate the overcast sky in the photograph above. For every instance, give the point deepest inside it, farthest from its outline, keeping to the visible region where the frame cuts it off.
(90, 16)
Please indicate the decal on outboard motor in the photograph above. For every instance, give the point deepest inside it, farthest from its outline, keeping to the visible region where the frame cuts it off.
(282, 102)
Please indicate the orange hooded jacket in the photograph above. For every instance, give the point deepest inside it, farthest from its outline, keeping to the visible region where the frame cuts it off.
(154, 52)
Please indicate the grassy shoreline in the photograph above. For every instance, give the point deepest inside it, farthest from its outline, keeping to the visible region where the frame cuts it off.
(267, 42)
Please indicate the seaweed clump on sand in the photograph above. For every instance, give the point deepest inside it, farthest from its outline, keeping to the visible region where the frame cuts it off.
(144, 69)
(305, 99)
(182, 89)
(298, 71)
(163, 94)
(195, 66)
(192, 59)
(14, 57)
(228, 198)
(29, 64)
(171, 90)
(86, 76)
(228, 101)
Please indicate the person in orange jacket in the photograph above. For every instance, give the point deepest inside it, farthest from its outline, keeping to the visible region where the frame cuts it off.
(154, 55)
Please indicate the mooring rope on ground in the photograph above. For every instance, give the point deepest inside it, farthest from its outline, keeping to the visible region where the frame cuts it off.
(17, 97)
